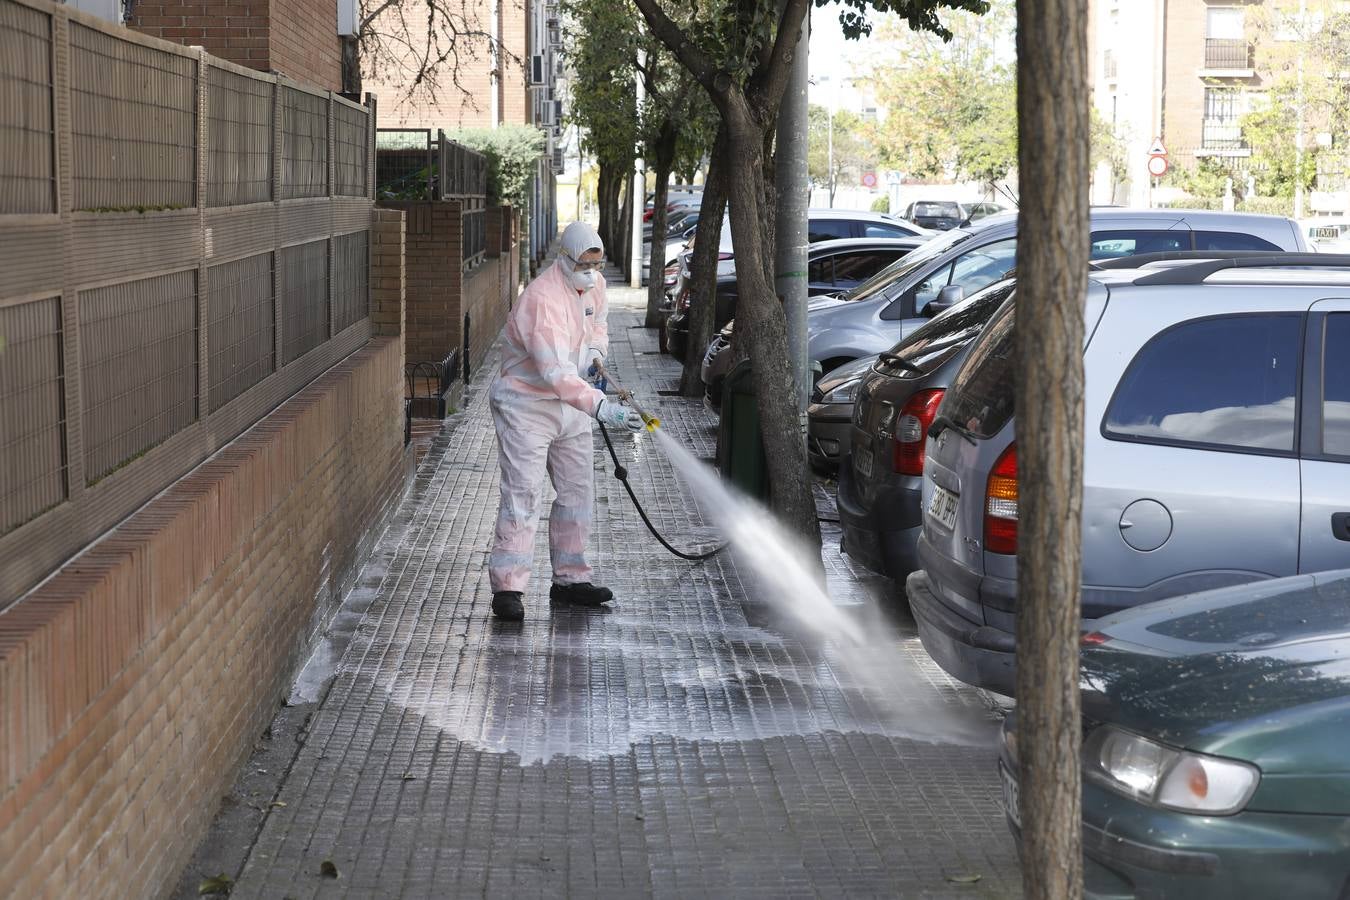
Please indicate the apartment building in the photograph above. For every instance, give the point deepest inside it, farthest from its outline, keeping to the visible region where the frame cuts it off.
(1183, 71)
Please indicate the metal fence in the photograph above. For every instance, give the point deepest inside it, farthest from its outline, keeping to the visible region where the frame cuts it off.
(185, 244)
(1229, 53)
(415, 164)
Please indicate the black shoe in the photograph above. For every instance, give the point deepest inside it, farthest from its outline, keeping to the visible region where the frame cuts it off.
(582, 594)
(506, 605)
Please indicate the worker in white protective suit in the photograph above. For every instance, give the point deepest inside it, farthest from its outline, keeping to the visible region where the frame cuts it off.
(542, 405)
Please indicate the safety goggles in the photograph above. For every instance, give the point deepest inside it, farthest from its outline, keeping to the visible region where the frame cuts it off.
(595, 266)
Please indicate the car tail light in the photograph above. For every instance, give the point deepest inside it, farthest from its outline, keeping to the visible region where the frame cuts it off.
(1093, 639)
(1000, 504)
(682, 302)
(724, 256)
(911, 432)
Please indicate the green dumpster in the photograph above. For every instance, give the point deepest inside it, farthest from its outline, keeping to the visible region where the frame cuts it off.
(740, 449)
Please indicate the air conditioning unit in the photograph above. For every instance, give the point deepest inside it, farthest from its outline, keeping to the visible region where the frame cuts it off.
(554, 28)
(549, 114)
(537, 69)
(559, 67)
(557, 112)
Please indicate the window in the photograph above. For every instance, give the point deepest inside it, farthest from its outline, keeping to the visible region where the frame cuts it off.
(1116, 244)
(1228, 240)
(1227, 382)
(853, 268)
(827, 229)
(1224, 22)
(981, 395)
(820, 271)
(937, 341)
(882, 230)
(1336, 386)
(974, 271)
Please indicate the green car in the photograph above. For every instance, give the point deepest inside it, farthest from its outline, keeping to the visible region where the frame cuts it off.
(1216, 748)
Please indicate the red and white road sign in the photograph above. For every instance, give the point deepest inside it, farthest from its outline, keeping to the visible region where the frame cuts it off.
(869, 179)
(1157, 166)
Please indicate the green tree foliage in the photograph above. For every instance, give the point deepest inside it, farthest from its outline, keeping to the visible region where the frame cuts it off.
(512, 152)
(741, 53)
(952, 101)
(854, 153)
(1319, 45)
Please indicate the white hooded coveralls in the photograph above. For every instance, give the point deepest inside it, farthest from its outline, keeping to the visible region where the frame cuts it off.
(542, 408)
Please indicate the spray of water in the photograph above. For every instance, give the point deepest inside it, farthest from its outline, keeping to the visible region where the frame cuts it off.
(784, 569)
(786, 573)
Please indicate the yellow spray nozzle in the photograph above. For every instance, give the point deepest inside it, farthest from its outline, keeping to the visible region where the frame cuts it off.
(653, 422)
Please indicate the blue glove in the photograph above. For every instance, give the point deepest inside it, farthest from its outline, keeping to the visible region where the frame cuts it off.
(616, 415)
(594, 377)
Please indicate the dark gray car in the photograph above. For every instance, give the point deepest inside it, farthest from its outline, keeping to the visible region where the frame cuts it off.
(1217, 450)
(886, 430)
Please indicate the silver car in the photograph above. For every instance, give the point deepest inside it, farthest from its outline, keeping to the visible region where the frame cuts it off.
(962, 261)
(1217, 450)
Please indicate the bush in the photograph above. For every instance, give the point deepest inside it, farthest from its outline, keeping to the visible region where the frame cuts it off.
(1195, 203)
(882, 204)
(511, 151)
(1275, 206)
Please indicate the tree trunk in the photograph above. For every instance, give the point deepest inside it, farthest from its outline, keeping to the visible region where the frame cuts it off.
(703, 269)
(656, 285)
(761, 324)
(1052, 265)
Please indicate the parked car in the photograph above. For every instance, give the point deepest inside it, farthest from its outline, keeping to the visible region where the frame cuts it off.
(832, 266)
(1214, 751)
(881, 436)
(973, 211)
(874, 317)
(822, 224)
(939, 215)
(830, 411)
(1216, 452)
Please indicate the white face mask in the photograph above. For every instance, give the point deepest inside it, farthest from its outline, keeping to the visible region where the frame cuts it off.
(582, 281)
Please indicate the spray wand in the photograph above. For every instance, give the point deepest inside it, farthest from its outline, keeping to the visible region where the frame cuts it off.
(621, 473)
(626, 396)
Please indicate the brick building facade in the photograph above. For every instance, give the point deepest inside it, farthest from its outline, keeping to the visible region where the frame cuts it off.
(298, 38)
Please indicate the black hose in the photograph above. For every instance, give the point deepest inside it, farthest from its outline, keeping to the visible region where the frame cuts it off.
(621, 473)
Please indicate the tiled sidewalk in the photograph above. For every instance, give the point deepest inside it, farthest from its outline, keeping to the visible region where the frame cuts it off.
(683, 744)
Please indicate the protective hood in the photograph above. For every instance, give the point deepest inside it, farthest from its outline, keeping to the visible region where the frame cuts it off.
(577, 238)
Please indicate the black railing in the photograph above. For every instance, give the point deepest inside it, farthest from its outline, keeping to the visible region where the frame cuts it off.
(1221, 134)
(1228, 53)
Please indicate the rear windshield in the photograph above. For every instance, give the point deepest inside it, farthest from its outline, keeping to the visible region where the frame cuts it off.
(981, 396)
(925, 252)
(931, 345)
(951, 210)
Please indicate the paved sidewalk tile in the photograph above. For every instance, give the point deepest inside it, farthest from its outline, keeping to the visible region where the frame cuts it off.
(683, 744)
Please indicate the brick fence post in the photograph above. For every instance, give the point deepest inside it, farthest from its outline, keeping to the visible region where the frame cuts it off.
(388, 272)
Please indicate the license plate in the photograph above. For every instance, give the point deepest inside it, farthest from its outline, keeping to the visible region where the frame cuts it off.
(942, 507)
(862, 463)
(1012, 796)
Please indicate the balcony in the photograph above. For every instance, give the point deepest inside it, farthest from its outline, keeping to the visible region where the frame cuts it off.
(1222, 137)
(1110, 66)
(1232, 56)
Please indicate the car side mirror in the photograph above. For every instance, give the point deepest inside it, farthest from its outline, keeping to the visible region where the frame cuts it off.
(948, 297)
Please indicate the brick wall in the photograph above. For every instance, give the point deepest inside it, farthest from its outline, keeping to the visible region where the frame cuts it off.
(304, 42)
(134, 681)
(388, 276)
(297, 38)
(437, 299)
(464, 100)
